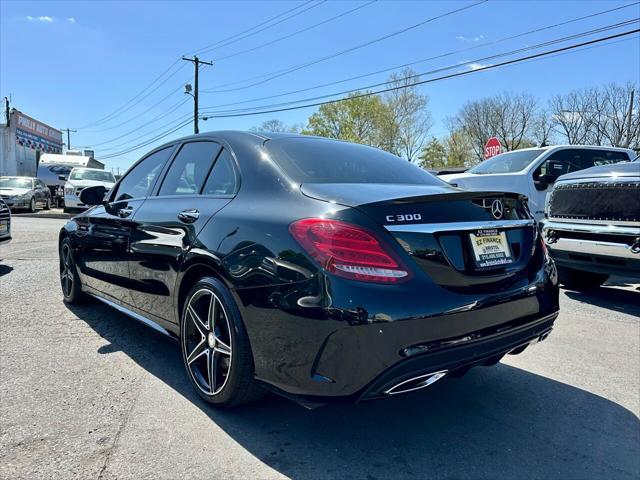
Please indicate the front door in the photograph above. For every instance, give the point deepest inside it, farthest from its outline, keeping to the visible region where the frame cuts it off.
(200, 181)
(103, 233)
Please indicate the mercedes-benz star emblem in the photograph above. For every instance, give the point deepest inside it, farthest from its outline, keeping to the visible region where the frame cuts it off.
(497, 209)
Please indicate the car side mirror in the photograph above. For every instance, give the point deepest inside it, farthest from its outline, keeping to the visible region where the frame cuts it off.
(62, 177)
(93, 195)
(542, 183)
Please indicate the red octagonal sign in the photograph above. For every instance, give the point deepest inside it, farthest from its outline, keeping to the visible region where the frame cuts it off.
(492, 148)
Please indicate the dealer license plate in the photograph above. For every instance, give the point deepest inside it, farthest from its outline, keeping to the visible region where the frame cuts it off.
(4, 226)
(491, 248)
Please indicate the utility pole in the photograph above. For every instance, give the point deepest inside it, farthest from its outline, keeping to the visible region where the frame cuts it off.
(196, 63)
(629, 119)
(68, 130)
(6, 110)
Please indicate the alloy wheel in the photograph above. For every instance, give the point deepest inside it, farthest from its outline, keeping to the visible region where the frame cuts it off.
(207, 341)
(66, 270)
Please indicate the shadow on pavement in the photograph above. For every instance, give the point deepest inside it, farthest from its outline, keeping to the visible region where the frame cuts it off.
(499, 422)
(625, 301)
(5, 269)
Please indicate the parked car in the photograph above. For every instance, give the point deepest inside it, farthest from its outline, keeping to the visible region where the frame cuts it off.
(25, 192)
(533, 171)
(593, 225)
(322, 270)
(5, 223)
(80, 178)
(54, 176)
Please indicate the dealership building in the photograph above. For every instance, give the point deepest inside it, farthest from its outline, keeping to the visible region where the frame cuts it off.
(22, 141)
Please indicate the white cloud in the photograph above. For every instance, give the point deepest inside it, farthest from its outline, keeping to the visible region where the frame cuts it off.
(477, 66)
(462, 38)
(42, 18)
(71, 19)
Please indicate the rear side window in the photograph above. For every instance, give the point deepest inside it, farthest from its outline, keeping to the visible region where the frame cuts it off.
(318, 160)
(222, 179)
(579, 159)
(139, 181)
(189, 169)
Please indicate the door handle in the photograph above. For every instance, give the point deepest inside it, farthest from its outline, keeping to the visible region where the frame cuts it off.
(125, 212)
(188, 216)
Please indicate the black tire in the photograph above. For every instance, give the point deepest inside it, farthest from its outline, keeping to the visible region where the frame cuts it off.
(579, 279)
(69, 280)
(233, 381)
(32, 205)
(47, 204)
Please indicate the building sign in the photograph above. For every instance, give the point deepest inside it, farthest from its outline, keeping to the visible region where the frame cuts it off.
(36, 135)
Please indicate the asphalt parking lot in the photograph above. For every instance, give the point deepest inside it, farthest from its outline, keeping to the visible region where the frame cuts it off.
(85, 392)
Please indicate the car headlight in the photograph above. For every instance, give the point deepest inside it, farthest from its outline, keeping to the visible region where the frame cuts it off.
(68, 190)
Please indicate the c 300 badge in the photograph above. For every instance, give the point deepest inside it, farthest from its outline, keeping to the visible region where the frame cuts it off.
(407, 217)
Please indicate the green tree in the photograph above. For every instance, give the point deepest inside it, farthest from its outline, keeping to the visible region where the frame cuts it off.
(356, 119)
(433, 155)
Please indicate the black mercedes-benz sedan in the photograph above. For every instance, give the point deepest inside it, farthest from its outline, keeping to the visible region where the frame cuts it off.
(319, 269)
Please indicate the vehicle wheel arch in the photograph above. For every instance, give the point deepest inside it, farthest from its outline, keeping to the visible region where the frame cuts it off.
(191, 272)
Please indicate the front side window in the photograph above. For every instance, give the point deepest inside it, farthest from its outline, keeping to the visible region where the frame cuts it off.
(139, 181)
(189, 169)
(574, 159)
(222, 179)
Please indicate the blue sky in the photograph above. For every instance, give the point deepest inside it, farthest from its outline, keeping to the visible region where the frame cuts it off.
(71, 64)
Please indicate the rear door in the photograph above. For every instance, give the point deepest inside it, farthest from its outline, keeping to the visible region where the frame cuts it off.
(201, 179)
(103, 233)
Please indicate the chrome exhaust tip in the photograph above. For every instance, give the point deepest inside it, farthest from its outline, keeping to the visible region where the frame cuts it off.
(416, 383)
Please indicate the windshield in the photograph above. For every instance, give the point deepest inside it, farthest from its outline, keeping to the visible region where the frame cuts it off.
(509, 162)
(317, 160)
(9, 182)
(97, 175)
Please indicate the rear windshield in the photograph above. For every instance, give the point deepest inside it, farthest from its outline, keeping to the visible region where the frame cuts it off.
(317, 160)
(97, 175)
(509, 162)
(9, 182)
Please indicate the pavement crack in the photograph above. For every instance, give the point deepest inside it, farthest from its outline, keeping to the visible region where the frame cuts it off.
(116, 439)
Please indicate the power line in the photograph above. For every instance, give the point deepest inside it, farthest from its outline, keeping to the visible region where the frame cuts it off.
(280, 73)
(441, 69)
(447, 54)
(422, 82)
(297, 32)
(219, 43)
(528, 58)
(120, 111)
(117, 111)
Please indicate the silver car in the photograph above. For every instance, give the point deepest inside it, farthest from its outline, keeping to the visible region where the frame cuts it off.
(25, 192)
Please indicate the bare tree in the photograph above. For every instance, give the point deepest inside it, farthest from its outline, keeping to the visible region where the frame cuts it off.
(510, 117)
(275, 125)
(409, 120)
(597, 116)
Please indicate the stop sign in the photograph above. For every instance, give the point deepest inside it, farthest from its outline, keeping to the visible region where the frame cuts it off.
(492, 148)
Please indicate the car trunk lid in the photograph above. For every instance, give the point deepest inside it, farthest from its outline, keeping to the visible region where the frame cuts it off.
(460, 238)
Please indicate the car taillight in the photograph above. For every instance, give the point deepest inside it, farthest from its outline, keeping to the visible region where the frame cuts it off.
(348, 251)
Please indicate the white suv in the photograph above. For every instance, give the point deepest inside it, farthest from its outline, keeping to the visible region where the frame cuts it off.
(533, 171)
(80, 178)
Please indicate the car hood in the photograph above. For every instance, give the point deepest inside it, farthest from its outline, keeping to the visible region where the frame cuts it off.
(622, 169)
(357, 194)
(489, 181)
(14, 191)
(89, 183)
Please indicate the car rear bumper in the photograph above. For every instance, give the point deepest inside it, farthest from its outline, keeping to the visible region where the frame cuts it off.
(346, 354)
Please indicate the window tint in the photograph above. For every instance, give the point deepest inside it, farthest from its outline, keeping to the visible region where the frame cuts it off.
(189, 169)
(574, 159)
(139, 181)
(222, 179)
(318, 160)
